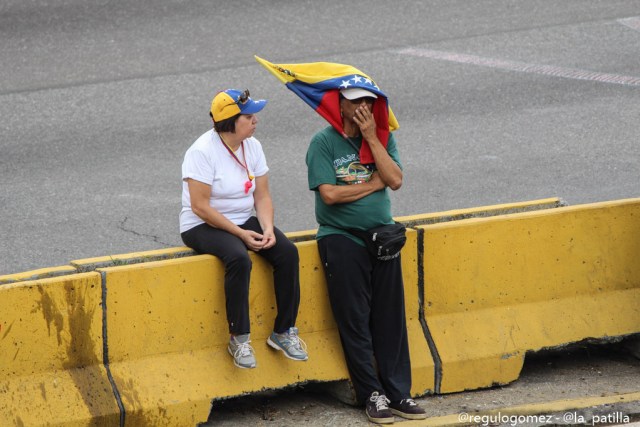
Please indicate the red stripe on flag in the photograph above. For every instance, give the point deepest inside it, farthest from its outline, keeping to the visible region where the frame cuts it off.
(329, 108)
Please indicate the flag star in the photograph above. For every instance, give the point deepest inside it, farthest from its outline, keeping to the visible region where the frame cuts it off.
(368, 81)
(345, 84)
(357, 79)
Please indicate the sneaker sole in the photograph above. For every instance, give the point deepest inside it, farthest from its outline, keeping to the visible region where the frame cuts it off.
(277, 347)
(408, 416)
(239, 365)
(380, 420)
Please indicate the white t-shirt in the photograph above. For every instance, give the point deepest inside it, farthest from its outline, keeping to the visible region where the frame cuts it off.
(209, 161)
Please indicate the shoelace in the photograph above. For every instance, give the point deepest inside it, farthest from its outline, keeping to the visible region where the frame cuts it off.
(411, 402)
(295, 341)
(244, 349)
(381, 401)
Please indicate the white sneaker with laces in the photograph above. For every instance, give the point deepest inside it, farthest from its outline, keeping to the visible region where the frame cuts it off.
(289, 343)
(242, 352)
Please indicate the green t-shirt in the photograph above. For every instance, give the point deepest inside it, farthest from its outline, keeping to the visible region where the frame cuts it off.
(332, 160)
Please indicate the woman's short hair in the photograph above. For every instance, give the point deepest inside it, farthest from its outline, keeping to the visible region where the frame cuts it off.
(226, 125)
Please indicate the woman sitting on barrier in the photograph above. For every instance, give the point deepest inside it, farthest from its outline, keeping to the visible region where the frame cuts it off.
(224, 178)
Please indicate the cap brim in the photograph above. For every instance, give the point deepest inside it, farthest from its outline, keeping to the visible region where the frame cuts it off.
(356, 92)
(252, 106)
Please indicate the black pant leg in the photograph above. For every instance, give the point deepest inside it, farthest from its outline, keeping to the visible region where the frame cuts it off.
(348, 271)
(389, 329)
(284, 258)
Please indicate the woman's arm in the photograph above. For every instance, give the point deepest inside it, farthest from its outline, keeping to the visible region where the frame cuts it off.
(264, 210)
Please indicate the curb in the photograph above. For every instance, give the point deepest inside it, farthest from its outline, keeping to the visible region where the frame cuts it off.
(605, 410)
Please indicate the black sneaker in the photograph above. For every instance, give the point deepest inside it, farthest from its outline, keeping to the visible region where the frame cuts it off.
(407, 408)
(378, 409)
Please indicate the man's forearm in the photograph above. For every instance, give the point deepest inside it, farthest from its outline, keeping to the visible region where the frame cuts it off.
(334, 194)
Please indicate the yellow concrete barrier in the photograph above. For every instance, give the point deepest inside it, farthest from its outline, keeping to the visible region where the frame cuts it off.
(168, 337)
(422, 363)
(91, 264)
(498, 287)
(166, 348)
(455, 215)
(51, 354)
(141, 339)
(480, 212)
(41, 273)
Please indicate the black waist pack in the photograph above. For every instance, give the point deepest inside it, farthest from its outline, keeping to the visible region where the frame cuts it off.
(384, 242)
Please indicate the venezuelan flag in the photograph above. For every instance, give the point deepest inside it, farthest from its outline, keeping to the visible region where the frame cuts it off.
(319, 84)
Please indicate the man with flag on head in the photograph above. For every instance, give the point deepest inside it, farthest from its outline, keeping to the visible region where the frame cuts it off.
(351, 164)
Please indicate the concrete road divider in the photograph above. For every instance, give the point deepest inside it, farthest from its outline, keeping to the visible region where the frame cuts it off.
(456, 215)
(91, 264)
(51, 354)
(168, 337)
(41, 273)
(480, 212)
(498, 287)
(422, 364)
(141, 339)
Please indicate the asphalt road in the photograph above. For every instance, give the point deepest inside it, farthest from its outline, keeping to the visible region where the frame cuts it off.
(498, 101)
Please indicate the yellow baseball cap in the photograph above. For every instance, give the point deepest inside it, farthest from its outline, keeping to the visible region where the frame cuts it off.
(230, 102)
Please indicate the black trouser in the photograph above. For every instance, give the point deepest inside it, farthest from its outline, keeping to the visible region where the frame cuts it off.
(367, 299)
(232, 251)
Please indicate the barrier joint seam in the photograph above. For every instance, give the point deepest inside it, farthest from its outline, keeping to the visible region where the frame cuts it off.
(105, 350)
(437, 362)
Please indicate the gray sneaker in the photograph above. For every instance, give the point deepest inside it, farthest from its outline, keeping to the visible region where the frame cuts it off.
(242, 351)
(290, 343)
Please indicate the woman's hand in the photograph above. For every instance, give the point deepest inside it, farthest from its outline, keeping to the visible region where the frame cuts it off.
(256, 241)
(253, 240)
(268, 239)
